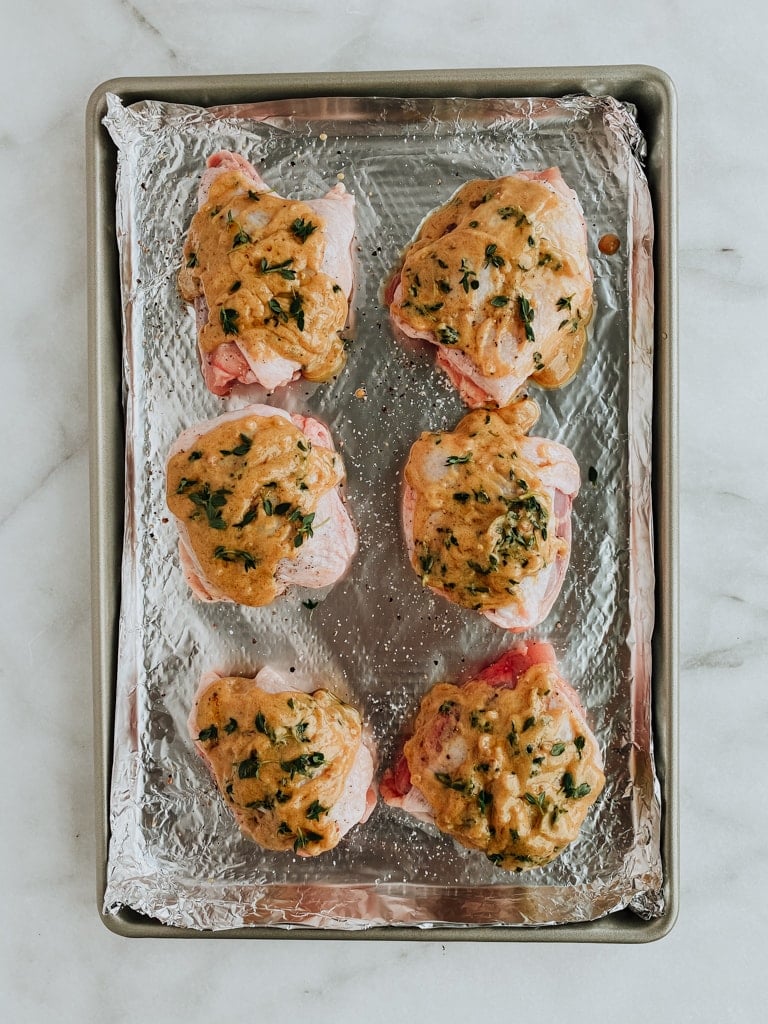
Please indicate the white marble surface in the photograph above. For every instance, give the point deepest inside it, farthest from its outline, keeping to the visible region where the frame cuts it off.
(59, 962)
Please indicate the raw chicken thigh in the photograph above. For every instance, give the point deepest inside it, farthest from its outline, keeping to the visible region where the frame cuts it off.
(269, 278)
(487, 514)
(505, 764)
(256, 500)
(295, 769)
(498, 279)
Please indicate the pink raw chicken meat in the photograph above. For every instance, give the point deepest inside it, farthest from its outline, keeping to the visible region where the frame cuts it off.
(234, 362)
(323, 556)
(499, 280)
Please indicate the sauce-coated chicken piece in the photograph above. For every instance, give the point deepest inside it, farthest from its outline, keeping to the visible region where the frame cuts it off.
(498, 279)
(256, 501)
(295, 768)
(505, 764)
(486, 514)
(269, 278)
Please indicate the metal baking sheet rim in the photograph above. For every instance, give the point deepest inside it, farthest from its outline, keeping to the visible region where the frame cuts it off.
(653, 94)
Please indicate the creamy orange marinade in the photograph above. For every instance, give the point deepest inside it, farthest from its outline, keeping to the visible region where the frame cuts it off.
(256, 258)
(246, 493)
(280, 760)
(482, 519)
(510, 772)
(492, 264)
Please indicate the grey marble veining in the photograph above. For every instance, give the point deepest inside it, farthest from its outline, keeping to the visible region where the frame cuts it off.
(58, 960)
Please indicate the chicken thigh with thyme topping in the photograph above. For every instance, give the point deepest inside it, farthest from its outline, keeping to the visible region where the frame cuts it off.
(486, 514)
(270, 278)
(505, 764)
(294, 768)
(256, 501)
(498, 279)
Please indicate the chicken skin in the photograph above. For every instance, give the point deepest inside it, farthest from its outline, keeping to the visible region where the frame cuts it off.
(505, 764)
(294, 768)
(499, 280)
(256, 501)
(269, 278)
(487, 515)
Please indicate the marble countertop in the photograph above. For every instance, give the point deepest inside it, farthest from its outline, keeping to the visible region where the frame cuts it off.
(59, 960)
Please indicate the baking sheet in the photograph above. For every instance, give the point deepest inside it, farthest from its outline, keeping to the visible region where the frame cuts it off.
(388, 661)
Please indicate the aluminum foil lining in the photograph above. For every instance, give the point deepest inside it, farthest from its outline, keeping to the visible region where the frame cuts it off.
(175, 851)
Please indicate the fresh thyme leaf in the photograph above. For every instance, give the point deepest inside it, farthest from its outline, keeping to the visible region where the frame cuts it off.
(455, 460)
(443, 286)
(241, 238)
(230, 726)
(303, 228)
(459, 785)
(461, 496)
(249, 768)
(303, 838)
(235, 555)
(185, 484)
(303, 764)
(194, 456)
(468, 278)
(482, 570)
(481, 724)
(539, 801)
(263, 726)
(448, 335)
(557, 749)
(278, 312)
(305, 526)
(573, 791)
(192, 260)
(484, 800)
(296, 310)
(507, 212)
(445, 707)
(300, 732)
(495, 858)
(315, 809)
(241, 449)
(492, 257)
(235, 287)
(249, 516)
(592, 474)
(210, 502)
(527, 314)
(267, 803)
(211, 733)
(500, 300)
(579, 744)
(427, 561)
(254, 195)
(283, 508)
(228, 319)
(538, 363)
(309, 603)
(283, 269)
(564, 302)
